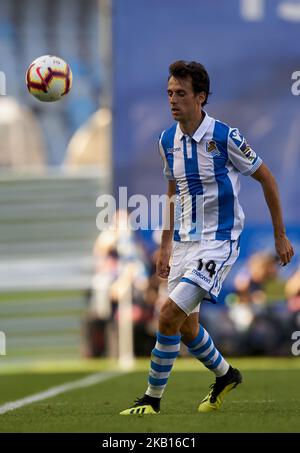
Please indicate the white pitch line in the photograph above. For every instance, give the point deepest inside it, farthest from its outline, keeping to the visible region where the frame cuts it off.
(85, 382)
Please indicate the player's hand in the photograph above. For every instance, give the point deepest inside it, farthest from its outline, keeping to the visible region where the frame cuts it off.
(284, 250)
(162, 264)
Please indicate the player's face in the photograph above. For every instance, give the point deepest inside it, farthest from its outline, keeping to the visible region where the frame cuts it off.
(185, 104)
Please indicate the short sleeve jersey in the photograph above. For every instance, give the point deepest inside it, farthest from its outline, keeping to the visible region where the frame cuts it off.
(206, 169)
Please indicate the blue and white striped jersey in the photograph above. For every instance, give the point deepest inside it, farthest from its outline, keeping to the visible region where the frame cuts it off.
(206, 169)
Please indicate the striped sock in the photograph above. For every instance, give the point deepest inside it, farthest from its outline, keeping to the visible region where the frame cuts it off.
(163, 356)
(203, 348)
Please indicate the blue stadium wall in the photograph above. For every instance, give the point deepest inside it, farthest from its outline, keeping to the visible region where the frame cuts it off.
(250, 57)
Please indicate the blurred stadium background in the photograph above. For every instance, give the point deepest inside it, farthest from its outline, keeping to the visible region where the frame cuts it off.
(60, 278)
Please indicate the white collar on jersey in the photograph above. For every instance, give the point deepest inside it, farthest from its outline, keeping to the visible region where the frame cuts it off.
(201, 129)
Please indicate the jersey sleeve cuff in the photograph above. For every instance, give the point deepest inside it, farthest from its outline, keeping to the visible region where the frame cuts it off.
(254, 167)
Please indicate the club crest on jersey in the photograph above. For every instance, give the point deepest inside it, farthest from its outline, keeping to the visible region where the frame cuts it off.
(236, 137)
(212, 149)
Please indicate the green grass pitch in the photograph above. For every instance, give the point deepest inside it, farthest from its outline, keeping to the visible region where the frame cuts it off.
(268, 400)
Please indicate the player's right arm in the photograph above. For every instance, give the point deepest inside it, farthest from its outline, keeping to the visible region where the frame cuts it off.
(165, 250)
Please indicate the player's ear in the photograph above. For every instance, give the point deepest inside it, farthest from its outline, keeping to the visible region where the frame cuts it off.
(201, 97)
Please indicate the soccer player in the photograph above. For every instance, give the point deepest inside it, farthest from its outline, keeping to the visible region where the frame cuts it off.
(202, 160)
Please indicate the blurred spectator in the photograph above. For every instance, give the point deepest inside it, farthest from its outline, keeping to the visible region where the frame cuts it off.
(120, 264)
(90, 146)
(21, 142)
(292, 292)
(258, 308)
(260, 283)
(247, 324)
(251, 291)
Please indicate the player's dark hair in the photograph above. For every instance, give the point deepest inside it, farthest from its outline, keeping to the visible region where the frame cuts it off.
(200, 79)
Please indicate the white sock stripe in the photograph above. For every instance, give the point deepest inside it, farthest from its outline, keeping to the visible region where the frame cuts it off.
(167, 348)
(207, 351)
(213, 359)
(158, 374)
(222, 368)
(172, 349)
(155, 391)
(202, 342)
(161, 361)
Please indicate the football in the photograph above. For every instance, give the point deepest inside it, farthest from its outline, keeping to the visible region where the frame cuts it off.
(49, 78)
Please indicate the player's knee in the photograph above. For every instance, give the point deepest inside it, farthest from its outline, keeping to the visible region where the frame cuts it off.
(190, 328)
(170, 318)
(188, 333)
(165, 317)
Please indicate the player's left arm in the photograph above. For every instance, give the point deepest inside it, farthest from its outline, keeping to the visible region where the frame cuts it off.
(283, 246)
